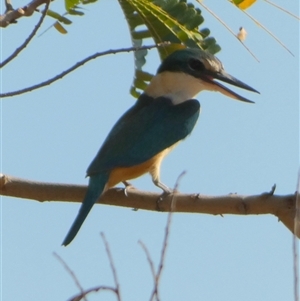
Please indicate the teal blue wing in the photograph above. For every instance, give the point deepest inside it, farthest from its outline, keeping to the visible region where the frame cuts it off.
(145, 130)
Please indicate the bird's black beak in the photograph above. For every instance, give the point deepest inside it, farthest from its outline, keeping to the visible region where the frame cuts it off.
(227, 78)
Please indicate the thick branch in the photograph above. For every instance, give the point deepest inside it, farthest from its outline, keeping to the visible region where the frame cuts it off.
(10, 16)
(281, 206)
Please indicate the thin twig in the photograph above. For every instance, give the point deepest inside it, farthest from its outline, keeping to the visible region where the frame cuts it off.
(150, 261)
(95, 289)
(228, 28)
(165, 242)
(117, 290)
(83, 293)
(8, 5)
(155, 292)
(29, 38)
(77, 65)
(71, 273)
(283, 9)
(265, 29)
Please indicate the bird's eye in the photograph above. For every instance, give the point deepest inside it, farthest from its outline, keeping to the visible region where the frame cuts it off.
(196, 65)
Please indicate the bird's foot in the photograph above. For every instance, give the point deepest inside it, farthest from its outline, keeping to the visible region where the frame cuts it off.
(128, 186)
(166, 192)
(162, 186)
(126, 183)
(162, 198)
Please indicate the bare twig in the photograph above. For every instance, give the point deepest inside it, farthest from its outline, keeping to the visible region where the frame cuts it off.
(150, 261)
(8, 5)
(282, 9)
(227, 27)
(155, 292)
(77, 65)
(92, 290)
(29, 38)
(83, 293)
(10, 16)
(281, 206)
(265, 29)
(112, 266)
(71, 273)
(156, 276)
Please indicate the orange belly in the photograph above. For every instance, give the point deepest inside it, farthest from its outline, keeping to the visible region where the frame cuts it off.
(152, 166)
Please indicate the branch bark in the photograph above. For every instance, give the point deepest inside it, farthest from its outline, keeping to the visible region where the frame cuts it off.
(266, 203)
(11, 15)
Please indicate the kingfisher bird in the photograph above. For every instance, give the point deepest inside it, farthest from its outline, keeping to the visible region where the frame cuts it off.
(162, 116)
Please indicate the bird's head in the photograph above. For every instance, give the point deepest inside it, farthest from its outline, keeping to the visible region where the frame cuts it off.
(185, 73)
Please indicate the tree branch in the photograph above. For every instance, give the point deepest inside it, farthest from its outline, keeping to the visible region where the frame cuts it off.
(77, 65)
(11, 15)
(29, 38)
(266, 203)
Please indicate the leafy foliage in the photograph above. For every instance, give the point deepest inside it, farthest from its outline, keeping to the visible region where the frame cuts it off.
(72, 8)
(175, 21)
(58, 17)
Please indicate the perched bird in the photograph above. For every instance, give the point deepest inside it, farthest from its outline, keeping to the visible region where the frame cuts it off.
(161, 117)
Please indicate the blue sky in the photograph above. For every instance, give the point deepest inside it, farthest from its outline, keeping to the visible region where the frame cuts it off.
(52, 134)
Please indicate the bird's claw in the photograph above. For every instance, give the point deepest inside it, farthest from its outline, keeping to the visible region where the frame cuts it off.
(162, 197)
(127, 186)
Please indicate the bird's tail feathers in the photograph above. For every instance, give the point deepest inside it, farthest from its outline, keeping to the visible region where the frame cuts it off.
(96, 186)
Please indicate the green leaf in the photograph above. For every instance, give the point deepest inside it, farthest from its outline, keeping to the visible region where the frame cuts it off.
(69, 4)
(59, 28)
(72, 9)
(88, 1)
(58, 17)
(75, 12)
